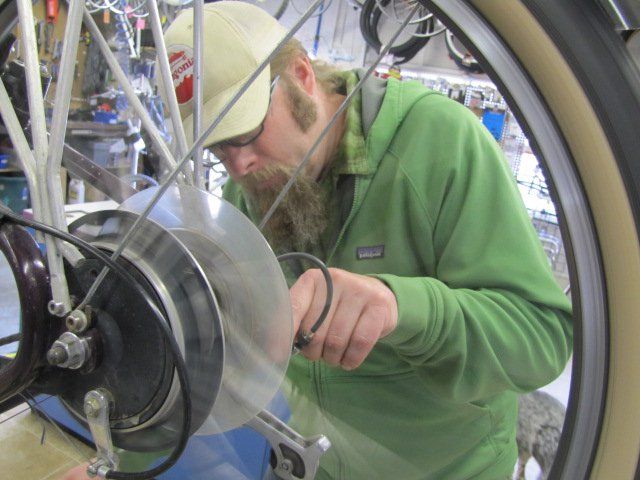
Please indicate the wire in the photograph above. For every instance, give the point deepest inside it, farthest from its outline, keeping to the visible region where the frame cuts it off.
(323, 8)
(29, 399)
(394, 9)
(370, 17)
(29, 407)
(462, 58)
(10, 339)
(345, 103)
(304, 338)
(179, 364)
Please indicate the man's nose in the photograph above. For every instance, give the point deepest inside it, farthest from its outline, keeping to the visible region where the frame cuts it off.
(240, 160)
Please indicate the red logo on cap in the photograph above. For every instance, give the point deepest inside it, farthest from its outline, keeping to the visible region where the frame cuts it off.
(181, 64)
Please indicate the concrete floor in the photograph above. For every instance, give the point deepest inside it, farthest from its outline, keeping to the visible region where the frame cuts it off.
(24, 457)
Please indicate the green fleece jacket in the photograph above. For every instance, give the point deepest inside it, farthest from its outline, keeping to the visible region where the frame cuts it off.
(480, 314)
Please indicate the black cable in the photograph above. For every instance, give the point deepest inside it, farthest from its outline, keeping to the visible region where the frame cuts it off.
(179, 363)
(464, 60)
(370, 17)
(304, 338)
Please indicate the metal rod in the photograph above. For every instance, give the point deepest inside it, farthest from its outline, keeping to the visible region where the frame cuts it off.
(165, 186)
(59, 126)
(100, 178)
(8, 340)
(198, 40)
(335, 117)
(167, 80)
(59, 288)
(24, 410)
(134, 101)
(24, 153)
(28, 165)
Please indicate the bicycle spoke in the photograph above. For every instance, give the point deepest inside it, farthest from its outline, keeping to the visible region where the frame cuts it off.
(267, 216)
(168, 182)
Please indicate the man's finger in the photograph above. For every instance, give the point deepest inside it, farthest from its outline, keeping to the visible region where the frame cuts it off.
(313, 351)
(336, 338)
(365, 335)
(303, 294)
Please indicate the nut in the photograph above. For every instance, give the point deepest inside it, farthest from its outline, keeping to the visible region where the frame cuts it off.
(69, 351)
(77, 321)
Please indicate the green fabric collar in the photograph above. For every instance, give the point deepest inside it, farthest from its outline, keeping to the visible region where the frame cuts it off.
(351, 156)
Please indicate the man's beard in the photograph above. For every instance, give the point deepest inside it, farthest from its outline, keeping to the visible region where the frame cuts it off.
(298, 222)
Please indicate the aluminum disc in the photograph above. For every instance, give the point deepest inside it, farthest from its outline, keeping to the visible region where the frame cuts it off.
(250, 290)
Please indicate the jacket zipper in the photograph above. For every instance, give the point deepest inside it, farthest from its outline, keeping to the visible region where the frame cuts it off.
(356, 191)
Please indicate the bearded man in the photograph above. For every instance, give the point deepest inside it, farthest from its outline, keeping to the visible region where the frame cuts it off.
(445, 307)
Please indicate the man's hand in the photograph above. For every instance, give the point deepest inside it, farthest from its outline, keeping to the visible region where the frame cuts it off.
(364, 310)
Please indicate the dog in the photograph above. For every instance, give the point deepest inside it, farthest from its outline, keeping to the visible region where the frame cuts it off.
(540, 420)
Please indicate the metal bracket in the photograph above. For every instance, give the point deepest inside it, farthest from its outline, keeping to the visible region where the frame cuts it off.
(296, 457)
(96, 409)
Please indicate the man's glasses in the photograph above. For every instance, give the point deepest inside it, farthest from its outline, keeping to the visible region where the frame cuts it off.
(246, 138)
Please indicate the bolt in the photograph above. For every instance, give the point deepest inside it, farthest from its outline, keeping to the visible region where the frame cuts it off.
(57, 355)
(55, 308)
(91, 407)
(286, 465)
(92, 470)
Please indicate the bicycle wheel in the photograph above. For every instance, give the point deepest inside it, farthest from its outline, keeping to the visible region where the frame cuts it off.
(558, 80)
(460, 55)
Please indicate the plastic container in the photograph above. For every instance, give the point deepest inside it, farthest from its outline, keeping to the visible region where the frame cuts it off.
(105, 117)
(76, 191)
(5, 161)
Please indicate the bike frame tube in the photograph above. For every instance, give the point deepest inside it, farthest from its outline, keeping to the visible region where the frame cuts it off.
(59, 127)
(167, 80)
(59, 288)
(25, 155)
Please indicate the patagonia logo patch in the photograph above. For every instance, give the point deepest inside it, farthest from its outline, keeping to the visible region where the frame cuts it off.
(366, 253)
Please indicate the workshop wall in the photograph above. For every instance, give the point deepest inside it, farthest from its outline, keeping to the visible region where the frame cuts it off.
(50, 49)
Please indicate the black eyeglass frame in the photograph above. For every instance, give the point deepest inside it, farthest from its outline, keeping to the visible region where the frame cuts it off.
(259, 129)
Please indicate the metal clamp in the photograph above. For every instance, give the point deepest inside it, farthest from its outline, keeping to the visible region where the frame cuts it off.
(296, 457)
(96, 409)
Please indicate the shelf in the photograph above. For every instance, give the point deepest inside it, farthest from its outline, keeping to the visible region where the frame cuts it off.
(96, 129)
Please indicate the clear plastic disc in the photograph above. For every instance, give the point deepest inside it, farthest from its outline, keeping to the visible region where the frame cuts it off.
(250, 290)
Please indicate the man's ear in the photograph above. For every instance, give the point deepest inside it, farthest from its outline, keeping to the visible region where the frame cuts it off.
(302, 71)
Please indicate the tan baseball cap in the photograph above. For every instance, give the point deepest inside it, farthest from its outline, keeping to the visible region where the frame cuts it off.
(238, 36)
